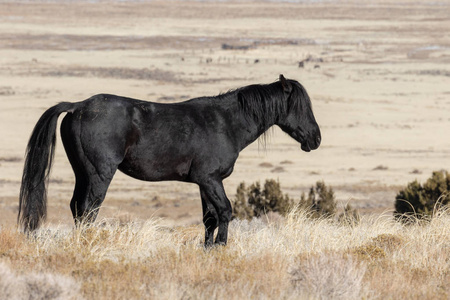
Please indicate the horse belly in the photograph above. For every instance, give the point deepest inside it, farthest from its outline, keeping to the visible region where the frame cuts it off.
(152, 168)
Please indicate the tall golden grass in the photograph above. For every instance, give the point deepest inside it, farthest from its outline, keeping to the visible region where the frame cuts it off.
(291, 258)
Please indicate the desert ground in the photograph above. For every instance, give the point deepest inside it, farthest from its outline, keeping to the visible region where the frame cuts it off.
(378, 74)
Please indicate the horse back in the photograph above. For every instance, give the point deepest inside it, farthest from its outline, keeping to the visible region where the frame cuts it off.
(153, 141)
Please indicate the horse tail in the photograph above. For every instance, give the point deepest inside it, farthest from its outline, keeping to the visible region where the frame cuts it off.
(38, 162)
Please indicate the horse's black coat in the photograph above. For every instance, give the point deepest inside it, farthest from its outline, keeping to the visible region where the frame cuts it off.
(195, 141)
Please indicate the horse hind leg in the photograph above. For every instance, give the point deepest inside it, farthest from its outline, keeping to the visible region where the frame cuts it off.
(92, 176)
(89, 193)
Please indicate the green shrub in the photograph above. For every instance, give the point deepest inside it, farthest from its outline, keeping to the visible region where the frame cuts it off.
(241, 208)
(320, 202)
(255, 201)
(417, 201)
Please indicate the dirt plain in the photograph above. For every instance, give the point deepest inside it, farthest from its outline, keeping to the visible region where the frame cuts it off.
(378, 73)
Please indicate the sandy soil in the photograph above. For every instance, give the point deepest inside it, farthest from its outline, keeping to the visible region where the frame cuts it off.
(378, 74)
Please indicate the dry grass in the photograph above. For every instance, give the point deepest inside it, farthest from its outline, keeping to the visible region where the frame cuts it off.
(293, 258)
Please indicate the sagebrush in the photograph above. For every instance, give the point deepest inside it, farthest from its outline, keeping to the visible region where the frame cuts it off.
(417, 201)
(321, 201)
(255, 201)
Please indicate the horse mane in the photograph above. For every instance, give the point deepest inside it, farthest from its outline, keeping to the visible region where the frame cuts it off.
(263, 103)
(299, 98)
(267, 102)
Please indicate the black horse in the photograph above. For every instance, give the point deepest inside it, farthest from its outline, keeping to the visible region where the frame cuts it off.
(194, 141)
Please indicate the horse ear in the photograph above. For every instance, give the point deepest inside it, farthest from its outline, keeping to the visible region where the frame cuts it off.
(287, 87)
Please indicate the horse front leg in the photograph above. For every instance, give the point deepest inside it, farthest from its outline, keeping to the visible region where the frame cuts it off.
(210, 219)
(214, 194)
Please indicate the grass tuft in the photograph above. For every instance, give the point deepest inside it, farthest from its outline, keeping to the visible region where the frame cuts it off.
(36, 285)
(329, 276)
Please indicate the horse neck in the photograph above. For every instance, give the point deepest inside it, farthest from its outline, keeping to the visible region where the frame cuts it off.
(248, 128)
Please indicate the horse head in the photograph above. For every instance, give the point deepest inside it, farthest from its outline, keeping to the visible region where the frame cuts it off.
(298, 121)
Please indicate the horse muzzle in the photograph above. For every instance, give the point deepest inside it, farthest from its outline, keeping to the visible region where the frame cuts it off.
(311, 144)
